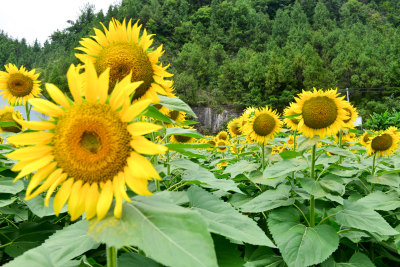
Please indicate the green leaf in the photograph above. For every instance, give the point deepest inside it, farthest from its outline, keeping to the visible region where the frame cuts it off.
(262, 257)
(59, 249)
(167, 233)
(269, 200)
(223, 219)
(258, 178)
(333, 183)
(175, 103)
(305, 143)
(313, 187)
(184, 132)
(301, 245)
(360, 216)
(6, 199)
(9, 124)
(357, 260)
(36, 205)
(228, 254)
(134, 259)
(154, 113)
(339, 151)
(390, 179)
(240, 167)
(289, 154)
(185, 146)
(285, 167)
(380, 201)
(7, 185)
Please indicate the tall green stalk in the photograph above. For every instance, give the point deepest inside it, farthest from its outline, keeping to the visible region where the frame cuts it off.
(373, 165)
(111, 256)
(312, 199)
(294, 148)
(263, 156)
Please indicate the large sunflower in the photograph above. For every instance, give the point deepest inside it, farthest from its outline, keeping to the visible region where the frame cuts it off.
(7, 114)
(122, 49)
(383, 144)
(263, 125)
(322, 112)
(234, 127)
(17, 86)
(291, 123)
(90, 147)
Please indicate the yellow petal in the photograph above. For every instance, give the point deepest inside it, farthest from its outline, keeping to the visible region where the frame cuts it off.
(141, 163)
(142, 128)
(118, 198)
(74, 84)
(31, 138)
(103, 86)
(121, 183)
(30, 153)
(143, 146)
(117, 99)
(137, 185)
(57, 95)
(51, 189)
(134, 110)
(91, 201)
(49, 181)
(41, 174)
(35, 165)
(62, 196)
(46, 107)
(91, 82)
(105, 200)
(35, 125)
(74, 199)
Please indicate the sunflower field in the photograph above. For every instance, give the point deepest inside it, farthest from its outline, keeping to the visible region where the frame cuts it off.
(115, 175)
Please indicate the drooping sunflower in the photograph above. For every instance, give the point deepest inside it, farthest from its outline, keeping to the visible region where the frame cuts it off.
(383, 144)
(175, 115)
(222, 145)
(290, 111)
(6, 114)
(234, 127)
(122, 49)
(322, 112)
(364, 139)
(17, 86)
(263, 126)
(90, 147)
(351, 113)
(222, 135)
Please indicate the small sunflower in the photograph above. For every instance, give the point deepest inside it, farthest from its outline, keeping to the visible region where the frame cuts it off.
(211, 141)
(17, 86)
(383, 144)
(177, 116)
(291, 123)
(122, 49)
(7, 114)
(365, 138)
(351, 113)
(222, 145)
(222, 164)
(90, 147)
(394, 130)
(322, 112)
(234, 127)
(263, 125)
(247, 113)
(177, 138)
(222, 135)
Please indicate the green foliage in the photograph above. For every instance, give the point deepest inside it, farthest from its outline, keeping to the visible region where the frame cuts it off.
(382, 121)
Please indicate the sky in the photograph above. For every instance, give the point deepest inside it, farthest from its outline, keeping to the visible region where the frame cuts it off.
(38, 19)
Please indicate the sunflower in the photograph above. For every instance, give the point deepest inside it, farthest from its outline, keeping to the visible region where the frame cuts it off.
(352, 115)
(222, 145)
(322, 112)
(234, 127)
(383, 144)
(394, 130)
(364, 139)
(177, 138)
(90, 147)
(175, 115)
(211, 141)
(247, 113)
(222, 135)
(263, 126)
(291, 123)
(6, 114)
(17, 86)
(122, 49)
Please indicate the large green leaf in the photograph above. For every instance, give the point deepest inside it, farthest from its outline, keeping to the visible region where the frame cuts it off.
(339, 151)
(8, 186)
(359, 216)
(313, 187)
(223, 219)
(301, 245)
(269, 200)
(228, 254)
(36, 205)
(357, 260)
(167, 233)
(157, 115)
(390, 179)
(240, 167)
(175, 103)
(262, 257)
(59, 249)
(332, 183)
(184, 132)
(285, 167)
(134, 259)
(380, 201)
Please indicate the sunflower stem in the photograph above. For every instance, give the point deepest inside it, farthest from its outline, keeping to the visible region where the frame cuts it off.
(111, 256)
(28, 111)
(294, 148)
(312, 199)
(263, 156)
(340, 143)
(373, 165)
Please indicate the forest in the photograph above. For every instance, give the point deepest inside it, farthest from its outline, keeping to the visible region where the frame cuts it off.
(248, 53)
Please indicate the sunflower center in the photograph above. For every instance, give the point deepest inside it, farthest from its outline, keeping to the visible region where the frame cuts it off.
(382, 142)
(123, 58)
(263, 124)
(19, 85)
(8, 117)
(348, 114)
(236, 129)
(173, 115)
(319, 112)
(182, 138)
(91, 142)
(223, 136)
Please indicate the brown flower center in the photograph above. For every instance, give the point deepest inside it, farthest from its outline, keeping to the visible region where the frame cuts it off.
(382, 142)
(319, 112)
(19, 85)
(264, 124)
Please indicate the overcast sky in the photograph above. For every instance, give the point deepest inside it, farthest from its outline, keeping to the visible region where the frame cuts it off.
(38, 19)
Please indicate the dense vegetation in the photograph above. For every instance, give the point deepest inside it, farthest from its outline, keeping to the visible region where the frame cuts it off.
(249, 52)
